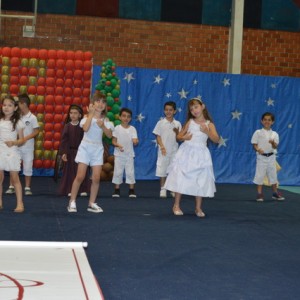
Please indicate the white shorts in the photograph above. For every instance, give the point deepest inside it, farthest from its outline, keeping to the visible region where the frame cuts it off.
(90, 154)
(10, 159)
(265, 166)
(162, 164)
(123, 164)
(27, 159)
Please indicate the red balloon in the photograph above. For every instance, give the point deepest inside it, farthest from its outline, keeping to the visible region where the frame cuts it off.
(59, 100)
(52, 54)
(14, 80)
(77, 100)
(59, 90)
(37, 163)
(15, 61)
(32, 90)
(48, 127)
(68, 92)
(24, 53)
(51, 64)
(40, 90)
(50, 81)
(14, 89)
(41, 81)
(88, 55)
(69, 74)
(69, 64)
(77, 83)
(48, 118)
(68, 100)
(50, 90)
(57, 136)
(58, 118)
(6, 51)
(14, 71)
(79, 55)
(60, 82)
(49, 108)
(87, 84)
(78, 64)
(87, 75)
(34, 53)
(78, 74)
(43, 54)
(48, 145)
(56, 145)
(77, 92)
(49, 100)
(24, 71)
(57, 127)
(70, 54)
(61, 54)
(48, 136)
(15, 51)
(60, 73)
(85, 101)
(69, 83)
(66, 110)
(40, 108)
(32, 107)
(87, 65)
(47, 163)
(50, 73)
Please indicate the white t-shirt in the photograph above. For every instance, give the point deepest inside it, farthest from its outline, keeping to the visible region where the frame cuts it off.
(7, 133)
(124, 137)
(95, 133)
(164, 129)
(31, 123)
(261, 137)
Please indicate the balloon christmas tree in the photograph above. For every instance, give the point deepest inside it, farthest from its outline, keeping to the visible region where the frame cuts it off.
(109, 85)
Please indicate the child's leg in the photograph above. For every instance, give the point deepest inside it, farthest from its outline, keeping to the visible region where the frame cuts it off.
(259, 188)
(81, 172)
(198, 209)
(162, 181)
(176, 208)
(96, 172)
(1, 187)
(18, 188)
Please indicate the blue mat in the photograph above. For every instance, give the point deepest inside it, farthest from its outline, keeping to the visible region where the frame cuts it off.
(139, 250)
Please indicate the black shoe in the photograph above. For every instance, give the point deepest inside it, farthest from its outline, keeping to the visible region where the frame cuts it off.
(116, 193)
(131, 194)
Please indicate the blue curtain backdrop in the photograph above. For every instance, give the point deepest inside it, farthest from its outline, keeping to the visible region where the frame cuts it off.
(236, 103)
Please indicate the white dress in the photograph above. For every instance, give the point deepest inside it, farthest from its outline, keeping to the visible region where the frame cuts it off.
(191, 171)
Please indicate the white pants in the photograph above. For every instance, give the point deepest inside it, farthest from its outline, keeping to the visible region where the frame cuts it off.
(163, 161)
(265, 166)
(121, 164)
(27, 159)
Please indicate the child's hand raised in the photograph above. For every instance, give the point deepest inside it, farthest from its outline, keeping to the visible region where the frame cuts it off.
(91, 109)
(100, 122)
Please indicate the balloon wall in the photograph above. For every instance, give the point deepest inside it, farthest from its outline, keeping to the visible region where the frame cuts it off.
(53, 79)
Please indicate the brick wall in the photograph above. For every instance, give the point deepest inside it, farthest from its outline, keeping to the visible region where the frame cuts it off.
(172, 46)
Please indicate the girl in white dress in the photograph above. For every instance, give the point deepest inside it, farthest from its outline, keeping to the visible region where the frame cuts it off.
(11, 136)
(191, 171)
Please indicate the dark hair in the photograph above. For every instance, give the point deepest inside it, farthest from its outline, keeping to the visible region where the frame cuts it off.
(16, 115)
(205, 111)
(78, 108)
(124, 109)
(24, 98)
(170, 103)
(268, 114)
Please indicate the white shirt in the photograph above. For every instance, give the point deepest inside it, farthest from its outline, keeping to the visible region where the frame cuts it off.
(95, 134)
(7, 133)
(31, 123)
(124, 137)
(164, 129)
(261, 137)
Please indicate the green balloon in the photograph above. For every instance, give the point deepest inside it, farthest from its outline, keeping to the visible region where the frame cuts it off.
(115, 108)
(110, 115)
(98, 87)
(108, 89)
(113, 82)
(109, 61)
(115, 93)
(110, 101)
(117, 122)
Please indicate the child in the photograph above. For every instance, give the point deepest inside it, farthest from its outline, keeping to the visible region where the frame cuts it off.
(27, 149)
(124, 138)
(11, 136)
(90, 151)
(165, 131)
(191, 171)
(70, 141)
(265, 142)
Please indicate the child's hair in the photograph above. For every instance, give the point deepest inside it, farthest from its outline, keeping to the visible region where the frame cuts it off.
(170, 103)
(24, 98)
(205, 111)
(16, 115)
(268, 114)
(124, 109)
(78, 108)
(98, 96)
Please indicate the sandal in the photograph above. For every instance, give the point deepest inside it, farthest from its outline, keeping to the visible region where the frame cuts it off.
(200, 213)
(19, 209)
(177, 211)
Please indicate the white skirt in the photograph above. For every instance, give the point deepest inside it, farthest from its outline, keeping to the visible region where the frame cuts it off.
(191, 172)
(10, 159)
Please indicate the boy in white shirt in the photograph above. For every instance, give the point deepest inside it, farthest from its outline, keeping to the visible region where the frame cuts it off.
(31, 130)
(124, 138)
(166, 130)
(265, 142)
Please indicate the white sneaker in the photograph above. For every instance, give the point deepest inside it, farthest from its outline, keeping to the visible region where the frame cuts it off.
(163, 193)
(94, 208)
(83, 194)
(72, 207)
(10, 190)
(28, 191)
